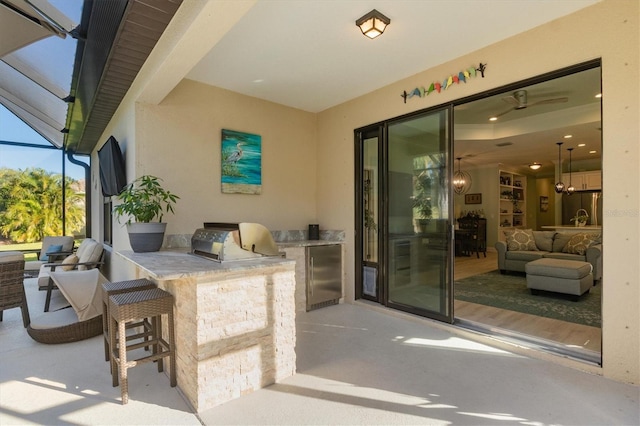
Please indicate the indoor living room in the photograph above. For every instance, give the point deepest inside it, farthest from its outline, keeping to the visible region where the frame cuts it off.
(512, 149)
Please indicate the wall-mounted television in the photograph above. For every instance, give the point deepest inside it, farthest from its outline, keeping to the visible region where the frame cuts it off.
(113, 177)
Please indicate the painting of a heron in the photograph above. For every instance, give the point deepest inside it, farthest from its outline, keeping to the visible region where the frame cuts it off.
(241, 163)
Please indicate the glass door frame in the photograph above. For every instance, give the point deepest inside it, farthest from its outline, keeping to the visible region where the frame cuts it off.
(381, 129)
(360, 135)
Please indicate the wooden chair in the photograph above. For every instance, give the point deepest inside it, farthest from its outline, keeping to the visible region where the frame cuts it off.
(89, 255)
(65, 243)
(12, 294)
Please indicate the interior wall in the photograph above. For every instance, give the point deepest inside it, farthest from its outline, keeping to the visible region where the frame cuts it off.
(544, 189)
(607, 30)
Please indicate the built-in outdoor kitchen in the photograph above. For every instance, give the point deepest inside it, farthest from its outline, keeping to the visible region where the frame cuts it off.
(237, 290)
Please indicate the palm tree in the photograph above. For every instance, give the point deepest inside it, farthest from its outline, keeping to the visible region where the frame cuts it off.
(32, 205)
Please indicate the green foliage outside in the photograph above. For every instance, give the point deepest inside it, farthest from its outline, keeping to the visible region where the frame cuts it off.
(31, 205)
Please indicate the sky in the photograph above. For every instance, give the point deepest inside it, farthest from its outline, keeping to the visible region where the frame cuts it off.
(14, 130)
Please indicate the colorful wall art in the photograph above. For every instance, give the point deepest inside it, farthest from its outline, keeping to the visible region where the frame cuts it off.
(241, 163)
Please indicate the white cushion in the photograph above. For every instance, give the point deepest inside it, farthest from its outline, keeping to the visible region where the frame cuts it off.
(65, 241)
(89, 251)
(11, 256)
(54, 319)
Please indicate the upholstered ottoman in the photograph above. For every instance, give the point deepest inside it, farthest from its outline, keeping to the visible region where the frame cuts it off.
(560, 276)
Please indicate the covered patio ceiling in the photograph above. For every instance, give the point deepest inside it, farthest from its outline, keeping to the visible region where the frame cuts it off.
(114, 38)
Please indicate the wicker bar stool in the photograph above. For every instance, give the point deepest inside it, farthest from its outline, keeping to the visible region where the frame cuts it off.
(118, 287)
(134, 306)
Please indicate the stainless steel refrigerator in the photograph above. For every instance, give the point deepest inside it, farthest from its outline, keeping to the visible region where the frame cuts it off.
(324, 275)
(591, 201)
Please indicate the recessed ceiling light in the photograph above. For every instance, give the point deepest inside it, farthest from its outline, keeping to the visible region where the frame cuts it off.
(592, 152)
(599, 95)
(493, 118)
(568, 136)
(582, 144)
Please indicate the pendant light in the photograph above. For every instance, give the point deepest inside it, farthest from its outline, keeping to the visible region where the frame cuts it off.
(570, 189)
(461, 180)
(559, 185)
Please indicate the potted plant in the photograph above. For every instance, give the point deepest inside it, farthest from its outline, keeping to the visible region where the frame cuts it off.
(581, 217)
(422, 200)
(143, 201)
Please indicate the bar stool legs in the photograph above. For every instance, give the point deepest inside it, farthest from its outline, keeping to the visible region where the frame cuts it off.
(111, 288)
(134, 306)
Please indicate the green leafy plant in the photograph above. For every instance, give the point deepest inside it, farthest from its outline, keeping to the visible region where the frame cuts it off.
(580, 218)
(145, 199)
(422, 198)
(369, 223)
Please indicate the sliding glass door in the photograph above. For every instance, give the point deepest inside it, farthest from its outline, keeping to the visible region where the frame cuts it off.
(418, 238)
(404, 214)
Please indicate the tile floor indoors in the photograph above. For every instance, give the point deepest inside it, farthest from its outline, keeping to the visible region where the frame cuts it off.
(356, 365)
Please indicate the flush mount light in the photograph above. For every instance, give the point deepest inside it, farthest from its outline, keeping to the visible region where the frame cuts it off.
(493, 118)
(535, 166)
(373, 24)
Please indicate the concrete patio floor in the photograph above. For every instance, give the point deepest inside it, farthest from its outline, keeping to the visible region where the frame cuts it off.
(356, 365)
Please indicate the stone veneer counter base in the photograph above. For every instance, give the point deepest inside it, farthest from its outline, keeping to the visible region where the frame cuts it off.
(234, 322)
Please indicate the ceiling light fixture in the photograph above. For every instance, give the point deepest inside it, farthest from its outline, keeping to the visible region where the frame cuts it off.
(535, 165)
(461, 180)
(559, 186)
(373, 24)
(570, 189)
(493, 118)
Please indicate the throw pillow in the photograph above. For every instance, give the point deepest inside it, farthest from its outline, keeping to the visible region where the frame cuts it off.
(560, 241)
(51, 249)
(520, 240)
(70, 260)
(579, 243)
(544, 239)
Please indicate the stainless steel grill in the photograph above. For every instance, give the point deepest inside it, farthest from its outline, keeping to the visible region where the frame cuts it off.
(233, 241)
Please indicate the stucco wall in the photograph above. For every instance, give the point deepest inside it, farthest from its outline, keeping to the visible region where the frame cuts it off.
(607, 30)
(180, 141)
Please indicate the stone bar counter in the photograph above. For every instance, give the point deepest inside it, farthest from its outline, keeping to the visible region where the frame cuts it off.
(234, 321)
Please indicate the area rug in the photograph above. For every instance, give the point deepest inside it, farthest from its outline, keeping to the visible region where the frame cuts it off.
(510, 292)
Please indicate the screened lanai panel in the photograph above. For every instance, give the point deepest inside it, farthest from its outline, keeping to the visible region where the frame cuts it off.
(17, 31)
(36, 76)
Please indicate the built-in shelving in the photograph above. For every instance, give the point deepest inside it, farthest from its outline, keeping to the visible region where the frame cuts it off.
(512, 204)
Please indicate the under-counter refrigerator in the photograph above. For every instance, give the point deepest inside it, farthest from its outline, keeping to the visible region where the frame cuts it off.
(324, 275)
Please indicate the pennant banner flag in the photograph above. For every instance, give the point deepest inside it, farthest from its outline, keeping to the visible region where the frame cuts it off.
(463, 76)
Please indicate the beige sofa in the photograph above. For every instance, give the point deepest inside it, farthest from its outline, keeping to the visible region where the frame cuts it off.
(522, 246)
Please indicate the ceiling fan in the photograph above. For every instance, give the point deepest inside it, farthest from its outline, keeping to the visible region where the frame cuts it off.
(519, 101)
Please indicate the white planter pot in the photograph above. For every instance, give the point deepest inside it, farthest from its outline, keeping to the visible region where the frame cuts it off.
(146, 237)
